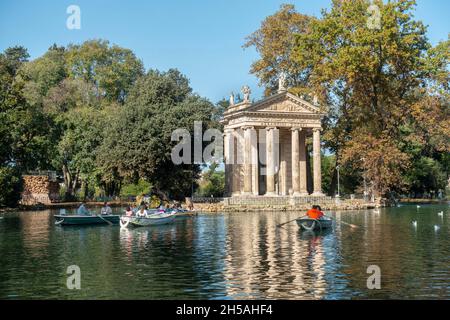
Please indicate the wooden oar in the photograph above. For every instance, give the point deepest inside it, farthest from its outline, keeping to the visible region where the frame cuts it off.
(280, 225)
(350, 225)
(109, 222)
(345, 223)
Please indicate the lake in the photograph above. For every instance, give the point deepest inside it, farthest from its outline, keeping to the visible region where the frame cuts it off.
(230, 256)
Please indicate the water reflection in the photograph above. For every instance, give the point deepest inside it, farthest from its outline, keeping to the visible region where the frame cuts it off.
(264, 261)
(230, 256)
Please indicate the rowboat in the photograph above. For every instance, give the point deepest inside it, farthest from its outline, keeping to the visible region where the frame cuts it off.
(66, 220)
(309, 224)
(151, 220)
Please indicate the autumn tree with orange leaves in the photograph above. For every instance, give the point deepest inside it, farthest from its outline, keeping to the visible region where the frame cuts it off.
(385, 87)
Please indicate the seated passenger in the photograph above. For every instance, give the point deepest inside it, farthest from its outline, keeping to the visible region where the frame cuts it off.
(82, 211)
(106, 210)
(128, 212)
(142, 213)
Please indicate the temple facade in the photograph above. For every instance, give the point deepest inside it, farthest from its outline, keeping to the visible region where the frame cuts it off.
(265, 147)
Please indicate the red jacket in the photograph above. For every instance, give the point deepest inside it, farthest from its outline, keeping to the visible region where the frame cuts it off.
(314, 214)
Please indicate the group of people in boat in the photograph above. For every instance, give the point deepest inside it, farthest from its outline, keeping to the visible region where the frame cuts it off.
(143, 212)
(140, 211)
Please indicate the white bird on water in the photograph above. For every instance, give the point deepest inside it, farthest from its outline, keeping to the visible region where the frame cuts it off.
(436, 228)
(414, 224)
(441, 214)
(418, 207)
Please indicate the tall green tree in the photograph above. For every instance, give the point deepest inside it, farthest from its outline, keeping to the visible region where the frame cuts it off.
(112, 69)
(274, 41)
(24, 128)
(137, 143)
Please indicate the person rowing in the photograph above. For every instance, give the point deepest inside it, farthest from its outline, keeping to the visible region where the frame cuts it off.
(315, 213)
(82, 211)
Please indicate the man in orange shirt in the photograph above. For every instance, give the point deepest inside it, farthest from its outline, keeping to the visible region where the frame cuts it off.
(315, 213)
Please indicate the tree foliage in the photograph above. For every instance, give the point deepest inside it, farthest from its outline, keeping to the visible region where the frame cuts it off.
(89, 112)
(212, 182)
(274, 41)
(137, 143)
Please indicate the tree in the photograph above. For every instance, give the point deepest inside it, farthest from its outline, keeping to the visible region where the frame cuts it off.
(78, 146)
(78, 87)
(24, 128)
(137, 143)
(212, 182)
(385, 86)
(377, 81)
(274, 41)
(112, 69)
(42, 74)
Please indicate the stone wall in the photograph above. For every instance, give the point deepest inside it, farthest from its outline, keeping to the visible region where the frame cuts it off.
(255, 204)
(39, 190)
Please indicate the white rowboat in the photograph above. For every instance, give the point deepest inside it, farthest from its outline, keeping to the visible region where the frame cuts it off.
(151, 220)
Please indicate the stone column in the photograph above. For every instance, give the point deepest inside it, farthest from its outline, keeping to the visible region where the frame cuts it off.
(317, 174)
(248, 160)
(302, 165)
(270, 162)
(255, 163)
(295, 136)
(283, 178)
(236, 179)
(228, 153)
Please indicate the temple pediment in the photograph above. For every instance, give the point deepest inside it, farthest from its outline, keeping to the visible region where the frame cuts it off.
(284, 102)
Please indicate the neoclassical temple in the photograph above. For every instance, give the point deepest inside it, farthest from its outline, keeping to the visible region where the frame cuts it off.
(265, 146)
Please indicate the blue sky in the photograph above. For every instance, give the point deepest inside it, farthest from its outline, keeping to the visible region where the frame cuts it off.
(202, 38)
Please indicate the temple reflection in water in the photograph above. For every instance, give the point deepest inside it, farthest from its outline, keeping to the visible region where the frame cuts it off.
(264, 261)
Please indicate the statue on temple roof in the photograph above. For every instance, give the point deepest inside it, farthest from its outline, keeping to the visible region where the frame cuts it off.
(282, 83)
(232, 99)
(246, 92)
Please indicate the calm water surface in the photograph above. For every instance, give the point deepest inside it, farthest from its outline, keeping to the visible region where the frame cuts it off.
(230, 256)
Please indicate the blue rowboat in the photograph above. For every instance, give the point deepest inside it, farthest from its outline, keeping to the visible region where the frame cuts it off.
(309, 224)
(66, 220)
